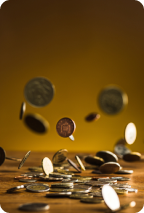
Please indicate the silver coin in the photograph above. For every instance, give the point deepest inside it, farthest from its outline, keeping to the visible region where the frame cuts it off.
(112, 100)
(34, 207)
(24, 159)
(37, 188)
(130, 189)
(60, 194)
(39, 92)
(82, 186)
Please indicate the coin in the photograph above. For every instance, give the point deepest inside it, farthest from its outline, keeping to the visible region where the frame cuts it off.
(24, 159)
(73, 165)
(111, 198)
(96, 178)
(107, 156)
(34, 174)
(121, 191)
(131, 189)
(58, 190)
(110, 167)
(108, 180)
(60, 175)
(124, 172)
(60, 156)
(47, 165)
(80, 196)
(91, 200)
(121, 150)
(22, 110)
(96, 194)
(94, 160)
(120, 178)
(27, 180)
(119, 185)
(47, 178)
(133, 156)
(36, 123)
(130, 133)
(60, 194)
(76, 191)
(34, 207)
(65, 127)
(39, 92)
(39, 187)
(62, 171)
(92, 117)
(80, 163)
(69, 181)
(112, 100)
(96, 183)
(14, 189)
(82, 186)
(62, 185)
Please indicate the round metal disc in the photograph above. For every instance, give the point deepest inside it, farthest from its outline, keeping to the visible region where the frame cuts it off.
(92, 117)
(65, 127)
(130, 133)
(2, 156)
(24, 159)
(60, 156)
(34, 207)
(37, 188)
(47, 166)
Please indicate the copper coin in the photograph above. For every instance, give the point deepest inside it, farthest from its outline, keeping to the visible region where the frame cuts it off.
(65, 127)
(92, 117)
(2, 156)
(73, 165)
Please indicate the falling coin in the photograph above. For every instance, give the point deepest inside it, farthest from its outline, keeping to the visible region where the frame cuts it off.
(60, 156)
(92, 117)
(47, 166)
(130, 133)
(22, 110)
(65, 127)
(73, 165)
(107, 156)
(110, 167)
(133, 156)
(39, 92)
(36, 123)
(121, 150)
(80, 163)
(24, 159)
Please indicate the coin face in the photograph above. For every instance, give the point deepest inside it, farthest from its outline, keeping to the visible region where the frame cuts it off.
(92, 117)
(34, 207)
(130, 133)
(47, 166)
(112, 100)
(107, 156)
(22, 110)
(2, 156)
(37, 187)
(24, 159)
(39, 92)
(60, 156)
(65, 127)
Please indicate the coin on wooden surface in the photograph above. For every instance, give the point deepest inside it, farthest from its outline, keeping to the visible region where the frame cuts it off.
(24, 159)
(2, 156)
(59, 194)
(109, 167)
(58, 189)
(96, 194)
(80, 163)
(121, 191)
(112, 100)
(130, 189)
(125, 172)
(91, 200)
(120, 178)
(120, 185)
(121, 150)
(39, 187)
(36, 123)
(96, 183)
(27, 180)
(39, 92)
(92, 117)
(80, 196)
(34, 207)
(65, 127)
(63, 171)
(62, 185)
(94, 160)
(22, 110)
(47, 178)
(47, 165)
(130, 133)
(107, 156)
(133, 156)
(78, 190)
(73, 165)
(60, 156)
(60, 175)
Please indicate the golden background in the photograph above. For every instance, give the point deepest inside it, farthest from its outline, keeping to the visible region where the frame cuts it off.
(81, 46)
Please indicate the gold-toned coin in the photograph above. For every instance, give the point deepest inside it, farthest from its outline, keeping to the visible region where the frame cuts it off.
(58, 190)
(82, 191)
(60, 156)
(80, 196)
(24, 159)
(133, 156)
(110, 167)
(80, 163)
(94, 160)
(121, 191)
(47, 165)
(62, 171)
(54, 174)
(91, 200)
(107, 156)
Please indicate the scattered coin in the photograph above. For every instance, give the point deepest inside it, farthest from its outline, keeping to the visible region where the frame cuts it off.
(96, 183)
(37, 188)
(47, 178)
(112, 100)
(36, 123)
(65, 127)
(110, 167)
(76, 191)
(118, 185)
(80, 163)
(47, 166)
(73, 165)
(34, 207)
(60, 175)
(82, 186)
(80, 196)
(60, 194)
(107, 180)
(91, 200)
(69, 181)
(124, 172)
(131, 189)
(96, 194)
(39, 92)
(130, 133)
(62, 185)
(121, 150)
(27, 180)
(59, 190)
(107, 156)
(94, 160)
(92, 117)
(62, 171)
(15, 189)
(34, 174)
(121, 191)
(96, 178)
(60, 156)
(133, 156)
(22, 110)
(24, 159)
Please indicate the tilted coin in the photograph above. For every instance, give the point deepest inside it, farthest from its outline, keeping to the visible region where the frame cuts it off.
(47, 178)
(34, 207)
(80, 196)
(110, 167)
(80, 163)
(120, 178)
(60, 156)
(39, 92)
(14, 189)
(27, 180)
(60, 175)
(62, 185)
(65, 127)
(37, 187)
(133, 156)
(112, 100)
(73, 165)
(107, 156)
(47, 166)
(121, 150)
(130, 189)
(92, 117)
(3, 157)
(24, 159)
(130, 133)
(94, 160)
(124, 172)
(36, 123)
(22, 110)
(60, 194)
(91, 200)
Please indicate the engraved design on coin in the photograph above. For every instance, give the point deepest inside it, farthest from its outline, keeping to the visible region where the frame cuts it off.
(65, 127)
(112, 100)
(39, 92)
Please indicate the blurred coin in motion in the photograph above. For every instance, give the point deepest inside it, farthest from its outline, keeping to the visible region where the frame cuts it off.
(65, 127)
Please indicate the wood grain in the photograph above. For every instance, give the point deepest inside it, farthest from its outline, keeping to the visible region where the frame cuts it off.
(11, 202)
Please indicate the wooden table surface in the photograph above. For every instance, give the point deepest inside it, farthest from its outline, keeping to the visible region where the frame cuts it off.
(11, 202)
